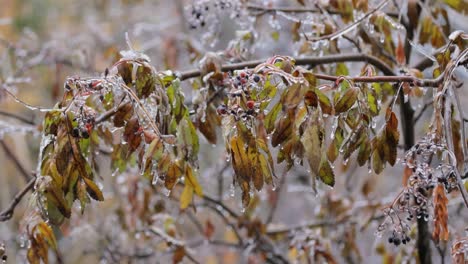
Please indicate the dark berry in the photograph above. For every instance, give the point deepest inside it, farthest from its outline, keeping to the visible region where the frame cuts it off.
(396, 241)
(84, 133)
(75, 132)
(390, 240)
(202, 23)
(256, 78)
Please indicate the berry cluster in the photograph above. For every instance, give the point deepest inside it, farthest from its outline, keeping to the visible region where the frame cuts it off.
(397, 238)
(86, 120)
(200, 12)
(240, 102)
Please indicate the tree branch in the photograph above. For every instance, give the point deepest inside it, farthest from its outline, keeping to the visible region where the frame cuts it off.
(8, 212)
(307, 60)
(264, 9)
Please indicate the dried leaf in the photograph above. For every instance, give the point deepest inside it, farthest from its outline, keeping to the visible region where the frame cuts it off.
(441, 231)
(400, 52)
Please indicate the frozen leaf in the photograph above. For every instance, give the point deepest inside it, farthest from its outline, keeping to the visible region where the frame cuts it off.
(292, 96)
(271, 117)
(312, 141)
(124, 113)
(391, 137)
(364, 152)
(310, 98)
(93, 190)
(324, 101)
(173, 173)
(400, 52)
(132, 135)
(186, 196)
(441, 231)
(283, 130)
(347, 100)
(191, 180)
(326, 173)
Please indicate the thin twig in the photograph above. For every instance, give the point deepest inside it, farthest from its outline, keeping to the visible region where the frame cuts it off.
(265, 9)
(350, 27)
(18, 117)
(15, 160)
(8, 212)
(274, 206)
(423, 109)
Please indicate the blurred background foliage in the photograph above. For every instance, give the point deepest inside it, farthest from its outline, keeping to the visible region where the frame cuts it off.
(44, 41)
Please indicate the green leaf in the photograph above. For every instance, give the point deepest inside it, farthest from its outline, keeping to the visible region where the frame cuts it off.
(326, 173)
(271, 117)
(341, 69)
(324, 101)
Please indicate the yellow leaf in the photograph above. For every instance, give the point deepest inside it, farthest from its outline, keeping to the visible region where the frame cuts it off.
(186, 196)
(192, 181)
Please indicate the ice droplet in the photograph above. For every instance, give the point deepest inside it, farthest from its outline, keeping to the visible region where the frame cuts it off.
(155, 179)
(232, 190)
(166, 192)
(382, 38)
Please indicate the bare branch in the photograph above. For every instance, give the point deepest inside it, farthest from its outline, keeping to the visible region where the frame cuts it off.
(8, 212)
(350, 27)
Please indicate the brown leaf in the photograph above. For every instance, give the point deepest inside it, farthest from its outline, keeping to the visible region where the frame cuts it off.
(441, 231)
(310, 98)
(284, 130)
(209, 229)
(400, 52)
(132, 135)
(124, 113)
(312, 140)
(179, 254)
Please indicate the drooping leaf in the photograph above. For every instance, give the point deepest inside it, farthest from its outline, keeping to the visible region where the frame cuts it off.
(93, 190)
(312, 140)
(347, 100)
(326, 173)
(271, 117)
